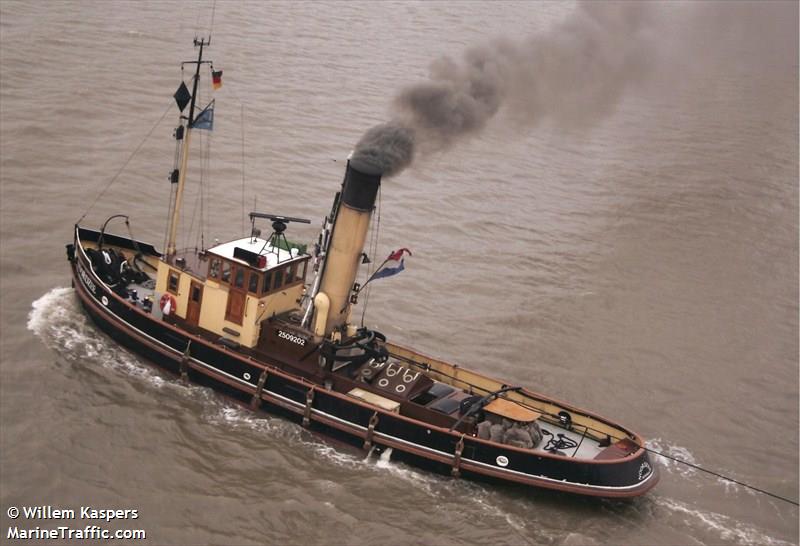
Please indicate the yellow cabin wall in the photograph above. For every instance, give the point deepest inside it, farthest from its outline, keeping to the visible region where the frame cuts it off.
(212, 309)
(161, 277)
(215, 301)
(280, 302)
(184, 283)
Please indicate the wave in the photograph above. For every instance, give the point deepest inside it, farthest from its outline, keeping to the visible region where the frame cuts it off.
(683, 454)
(235, 417)
(727, 528)
(377, 462)
(56, 318)
(657, 445)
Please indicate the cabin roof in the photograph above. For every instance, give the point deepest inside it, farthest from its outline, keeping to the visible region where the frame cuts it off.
(275, 256)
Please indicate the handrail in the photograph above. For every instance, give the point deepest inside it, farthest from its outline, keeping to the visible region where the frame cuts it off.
(552, 415)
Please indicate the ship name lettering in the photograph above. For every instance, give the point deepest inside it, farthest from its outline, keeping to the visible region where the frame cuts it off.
(87, 281)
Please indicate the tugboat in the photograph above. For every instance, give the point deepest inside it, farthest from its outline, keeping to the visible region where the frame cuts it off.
(268, 323)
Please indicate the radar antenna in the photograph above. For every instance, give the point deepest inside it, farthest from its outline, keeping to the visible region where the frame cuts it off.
(279, 224)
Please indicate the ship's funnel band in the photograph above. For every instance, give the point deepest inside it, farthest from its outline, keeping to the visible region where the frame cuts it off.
(360, 189)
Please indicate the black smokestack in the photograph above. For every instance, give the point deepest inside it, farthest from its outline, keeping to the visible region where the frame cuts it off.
(572, 75)
(360, 188)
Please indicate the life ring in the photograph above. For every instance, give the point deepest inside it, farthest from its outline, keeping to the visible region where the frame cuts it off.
(167, 304)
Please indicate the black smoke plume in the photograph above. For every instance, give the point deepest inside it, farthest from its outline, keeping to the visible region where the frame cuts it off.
(573, 74)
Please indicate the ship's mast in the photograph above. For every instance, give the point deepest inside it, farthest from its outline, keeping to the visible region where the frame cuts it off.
(176, 211)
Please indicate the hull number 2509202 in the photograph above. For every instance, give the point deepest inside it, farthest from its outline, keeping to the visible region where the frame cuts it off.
(291, 337)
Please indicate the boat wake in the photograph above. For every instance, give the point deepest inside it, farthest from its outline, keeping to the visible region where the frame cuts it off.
(670, 465)
(380, 463)
(56, 318)
(439, 487)
(683, 454)
(726, 527)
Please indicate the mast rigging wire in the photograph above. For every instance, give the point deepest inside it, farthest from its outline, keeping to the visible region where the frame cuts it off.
(205, 173)
(211, 26)
(188, 233)
(124, 165)
(244, 233)
(373, 250)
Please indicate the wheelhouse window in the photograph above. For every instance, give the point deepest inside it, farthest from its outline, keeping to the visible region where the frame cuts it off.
(290, 274)
(238, 277)
(267, 284)
(253, 286)
(213, 268)
(173, 281)
(226, 272)
(276, 279)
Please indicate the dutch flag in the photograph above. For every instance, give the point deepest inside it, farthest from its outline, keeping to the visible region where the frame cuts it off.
(392, 265)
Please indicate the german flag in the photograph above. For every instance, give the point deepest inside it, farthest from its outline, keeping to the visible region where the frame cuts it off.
(216, 79)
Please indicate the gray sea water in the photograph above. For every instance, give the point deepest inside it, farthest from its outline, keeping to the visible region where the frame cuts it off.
(643, 265)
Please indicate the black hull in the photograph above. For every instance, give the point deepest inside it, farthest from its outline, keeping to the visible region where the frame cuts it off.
(339, 415)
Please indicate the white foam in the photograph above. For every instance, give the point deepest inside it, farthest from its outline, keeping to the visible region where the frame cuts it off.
(732, 487)
(57, 319)
(678, 452)
(433, 485)
(726, 527)
(430, 484)
(232, 415)
(385, 458)
(481, 499)
(683, 454)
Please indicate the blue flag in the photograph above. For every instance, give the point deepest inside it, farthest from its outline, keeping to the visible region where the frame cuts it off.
(205, 119)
